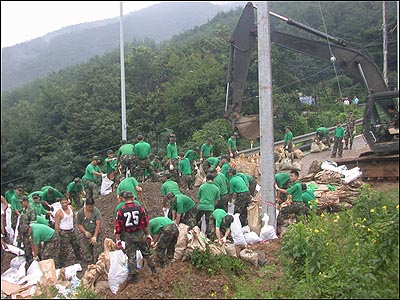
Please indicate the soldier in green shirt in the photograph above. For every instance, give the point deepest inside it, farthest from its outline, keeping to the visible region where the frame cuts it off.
(172, 155)
(221, 182)
(221, 225)
(186, 180)
(126, 158)
(206, 151)
(210, 162)
(322, 135)
(208, 194)
(110, 163)
(129, 184)
(75, 191)
(239, 194)
(288, 139)
(10, 192)
(168, 186)
(297, 206)
(282, 181)
(338, 143)
(50, 196)
(308, 198)
(183, 209)
(38, 207)
(165, 235)
(225, 164)
(142, 151)
(92, 178)
(16, 207)
(232, 147)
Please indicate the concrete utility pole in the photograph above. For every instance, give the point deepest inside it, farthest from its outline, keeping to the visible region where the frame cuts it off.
(121, 46)
(266, 113)
(384, 29)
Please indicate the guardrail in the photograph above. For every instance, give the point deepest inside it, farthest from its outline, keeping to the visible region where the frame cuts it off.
(298, 139)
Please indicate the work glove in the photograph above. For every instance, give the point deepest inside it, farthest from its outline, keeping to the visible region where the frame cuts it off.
(201, 160)
(103, 175)
(171, 167)
(36, 258)
(286, 147)
(231, 155)
(93, 240)
(88, 234)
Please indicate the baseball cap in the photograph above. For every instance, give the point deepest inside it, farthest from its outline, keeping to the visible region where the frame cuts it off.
(35, 196)
(127, 195)
(170, 195)
(77, 179)
(228, 220)
(24, 198)
(110, 151)
(96, 158)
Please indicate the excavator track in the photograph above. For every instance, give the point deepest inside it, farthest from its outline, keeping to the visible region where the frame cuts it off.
(374, 167)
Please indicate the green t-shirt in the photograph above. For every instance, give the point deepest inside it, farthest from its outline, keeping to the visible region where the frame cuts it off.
(225, 167)
(296, 192)
(88, 223)
(30, 196)
(214, 161)
(339, 132)
(282, 178)
(111, 164)
(182, 204)
(191, 155)
(74, 188)
(142, 150)
(232, 144)
(237, 185)
(89, 173)
(126, 149)
(324, 130)
(309, 198)
(157, 223)
(15, 203)
(39, 209)
(218, 216)
(170, 186)
(288, 137)
(9, 194)
(50, 198)
(208, 193)
(41, 233)
(172, 150)
(222, 182)
(206, 150)
(244, 177)
(184, 166)
(129, 184)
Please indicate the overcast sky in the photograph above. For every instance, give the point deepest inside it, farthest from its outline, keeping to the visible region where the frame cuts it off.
(22, 21)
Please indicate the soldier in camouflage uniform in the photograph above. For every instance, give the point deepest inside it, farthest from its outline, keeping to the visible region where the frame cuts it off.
(297, 207)
(183, 209)
(89, 221)
(240, 193)
(64, 226)
(133, 219)
(27, 216)
(43, 233)
(165, 235)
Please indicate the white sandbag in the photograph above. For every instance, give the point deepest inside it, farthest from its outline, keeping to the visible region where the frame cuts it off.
(268, 233)
(106, 186)
(14, 275)
(230, 249)
(70, 271)
(56, 207)
(352, 177)
(231, 208)
(182, 241)
(14, 250)
(17, 261)
(250, 256)
(236, 231)
(33, 274)
(252, 238)
(118, 272)
(315, 148)
(329, 165)
(16, 231)
(245, 229)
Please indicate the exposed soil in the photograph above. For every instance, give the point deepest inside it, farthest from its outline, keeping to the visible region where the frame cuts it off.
(180, 279)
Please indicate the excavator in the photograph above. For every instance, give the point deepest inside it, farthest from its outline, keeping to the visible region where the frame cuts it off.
(381, 138)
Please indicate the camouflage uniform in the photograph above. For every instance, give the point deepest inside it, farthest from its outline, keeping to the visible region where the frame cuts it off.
(189, 218)
(187, 181)
(295, 209)
(68, 237)
(76, 198)
(137, 241)
(50, 248)
(130, 162)
(91, 252)
(144, 164)
(166, 243)
(241, 203)
(252, 187)
(222, 229)
(28, 215)
(91, 188)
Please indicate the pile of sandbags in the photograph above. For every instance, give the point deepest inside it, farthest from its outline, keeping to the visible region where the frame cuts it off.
(249, 165)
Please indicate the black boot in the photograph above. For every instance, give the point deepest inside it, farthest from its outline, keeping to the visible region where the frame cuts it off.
(133, 278)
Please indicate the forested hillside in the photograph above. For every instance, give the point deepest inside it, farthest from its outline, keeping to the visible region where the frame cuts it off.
(74, 44)
(51, 128)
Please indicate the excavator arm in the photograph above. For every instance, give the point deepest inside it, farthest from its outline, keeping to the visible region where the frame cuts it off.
(354, 60)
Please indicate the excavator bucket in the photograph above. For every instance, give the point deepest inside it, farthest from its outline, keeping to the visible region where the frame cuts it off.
(248, 126)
